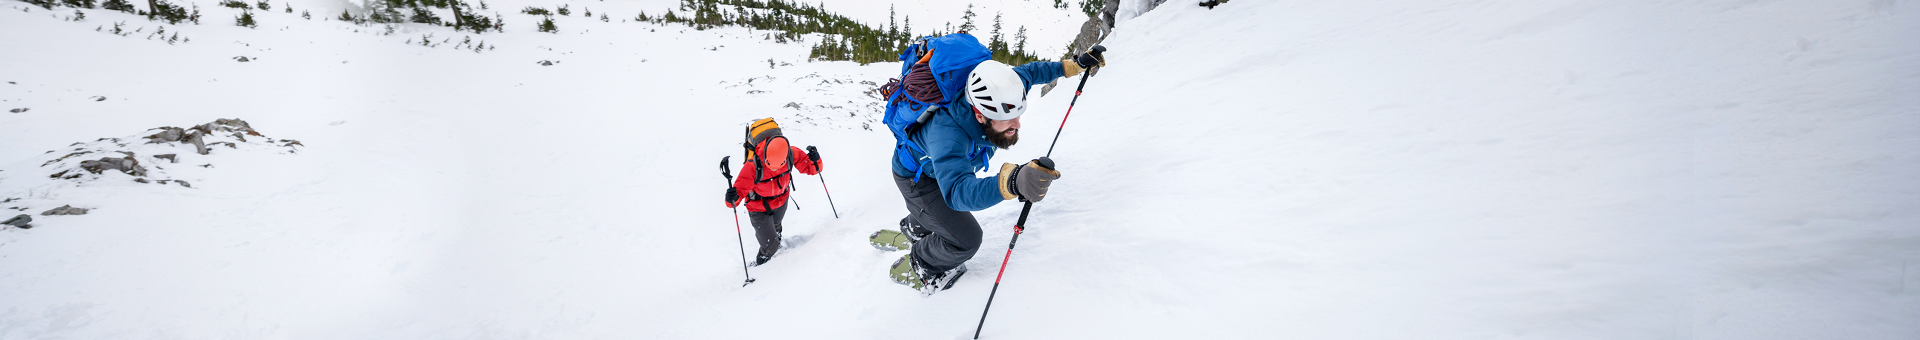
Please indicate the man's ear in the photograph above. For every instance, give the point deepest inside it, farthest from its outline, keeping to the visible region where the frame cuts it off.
(979, 117)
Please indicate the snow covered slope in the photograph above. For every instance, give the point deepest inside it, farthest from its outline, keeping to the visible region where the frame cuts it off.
(1267, 169)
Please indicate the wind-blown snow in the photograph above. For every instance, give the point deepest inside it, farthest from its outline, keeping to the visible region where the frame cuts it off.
(1266, 169)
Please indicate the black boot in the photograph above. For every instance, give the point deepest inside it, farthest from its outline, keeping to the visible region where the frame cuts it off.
(913, 230)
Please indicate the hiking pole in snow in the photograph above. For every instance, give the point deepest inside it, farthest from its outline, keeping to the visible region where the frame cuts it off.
(823, 188)
(728, 172)
(1020, 225)
(815, 154)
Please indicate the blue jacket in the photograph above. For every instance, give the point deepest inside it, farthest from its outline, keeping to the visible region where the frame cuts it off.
(959, 148)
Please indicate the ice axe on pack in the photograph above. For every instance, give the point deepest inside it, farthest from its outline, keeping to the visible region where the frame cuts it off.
(727, 172)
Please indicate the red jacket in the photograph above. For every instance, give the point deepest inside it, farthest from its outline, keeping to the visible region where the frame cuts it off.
(770, 192)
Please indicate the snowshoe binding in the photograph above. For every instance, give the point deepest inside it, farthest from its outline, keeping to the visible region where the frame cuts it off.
(913, 230)
(906, 272)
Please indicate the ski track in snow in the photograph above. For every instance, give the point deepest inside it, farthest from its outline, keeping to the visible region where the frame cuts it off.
(1267, 169)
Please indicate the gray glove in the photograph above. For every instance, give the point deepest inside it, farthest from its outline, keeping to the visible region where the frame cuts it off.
(1028, 182)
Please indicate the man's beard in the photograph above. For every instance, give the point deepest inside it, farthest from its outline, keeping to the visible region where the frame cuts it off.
(999, 138)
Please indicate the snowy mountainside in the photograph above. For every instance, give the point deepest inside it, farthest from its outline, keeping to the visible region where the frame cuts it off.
(1453, 169)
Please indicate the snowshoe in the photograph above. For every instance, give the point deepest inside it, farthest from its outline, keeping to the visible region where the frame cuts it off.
(786, 243)
(905, 272)
(890, 240)
(791, 242)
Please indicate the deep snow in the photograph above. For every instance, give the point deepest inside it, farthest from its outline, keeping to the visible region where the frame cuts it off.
(1268, 169)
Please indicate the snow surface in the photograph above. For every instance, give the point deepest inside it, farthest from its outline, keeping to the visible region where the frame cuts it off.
(1267, 169)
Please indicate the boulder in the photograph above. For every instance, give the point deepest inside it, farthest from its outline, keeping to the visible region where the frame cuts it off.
(199, 143)
(167, 134)
(65, 210)
(20, 221)
(1091, 33)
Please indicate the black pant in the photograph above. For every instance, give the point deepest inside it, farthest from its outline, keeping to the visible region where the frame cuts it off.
(956, 235)
(766, 228)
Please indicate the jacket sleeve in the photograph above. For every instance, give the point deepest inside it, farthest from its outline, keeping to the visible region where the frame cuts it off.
(949, 147)
(804, 164)
(1039, 72)
(743, 181)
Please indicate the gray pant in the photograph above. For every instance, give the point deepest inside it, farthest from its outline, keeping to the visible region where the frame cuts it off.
(956, 235)
(766, 228)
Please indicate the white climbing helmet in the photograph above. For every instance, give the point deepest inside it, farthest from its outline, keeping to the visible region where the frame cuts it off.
(996, 91)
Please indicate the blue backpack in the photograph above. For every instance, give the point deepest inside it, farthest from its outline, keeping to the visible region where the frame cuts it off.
(953, 57)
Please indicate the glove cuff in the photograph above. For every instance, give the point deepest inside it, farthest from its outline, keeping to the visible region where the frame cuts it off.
(1007, 173)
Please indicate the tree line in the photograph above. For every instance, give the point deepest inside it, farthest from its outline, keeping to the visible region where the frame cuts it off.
(845, 39)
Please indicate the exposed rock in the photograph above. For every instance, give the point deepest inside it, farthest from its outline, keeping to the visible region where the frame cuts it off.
(62, 158)
(18, 110)
(20, 221)
(167, 134)
(1091, 33)
(1107, 9)
(182, 183)
(142, 180)
(235, 124)
(199, 144)
(65, 210)
(169, 157)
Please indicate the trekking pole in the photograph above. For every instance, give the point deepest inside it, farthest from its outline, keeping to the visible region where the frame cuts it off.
(728, 172)
(823, 188)
(1020, 225)
(811, 152)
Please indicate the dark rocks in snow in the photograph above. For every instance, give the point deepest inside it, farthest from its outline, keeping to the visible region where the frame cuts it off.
(98, 98)
(62, 158)
(1107, 9)
(229, 132)
(124, 164)
(1091, 33)
(167, 134)
(546, 62)
(199, 144)
(243, 59)
(20, 221)
(65, 210)
(18, 110)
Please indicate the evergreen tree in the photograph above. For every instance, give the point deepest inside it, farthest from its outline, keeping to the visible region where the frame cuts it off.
(1020, 47)
(245, 19)
(546, 25)
(967, 26)
(117, 5)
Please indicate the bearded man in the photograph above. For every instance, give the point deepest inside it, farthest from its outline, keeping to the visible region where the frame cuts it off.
(959, 138)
